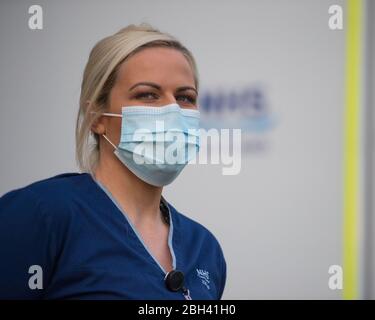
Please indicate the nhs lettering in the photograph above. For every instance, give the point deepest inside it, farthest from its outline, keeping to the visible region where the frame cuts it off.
(245, 108)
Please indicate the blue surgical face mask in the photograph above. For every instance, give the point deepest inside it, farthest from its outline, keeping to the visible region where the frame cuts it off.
(156, 143)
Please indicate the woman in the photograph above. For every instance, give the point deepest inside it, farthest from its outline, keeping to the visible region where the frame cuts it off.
(108, 233)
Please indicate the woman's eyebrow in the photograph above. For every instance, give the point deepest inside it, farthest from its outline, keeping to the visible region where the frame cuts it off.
(186, 88)
(151, 84)
(156, 86)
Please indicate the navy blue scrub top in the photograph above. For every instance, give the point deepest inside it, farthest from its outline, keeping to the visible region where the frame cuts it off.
(87, 248)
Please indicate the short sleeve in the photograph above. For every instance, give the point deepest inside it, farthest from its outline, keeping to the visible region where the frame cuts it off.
(27, 246)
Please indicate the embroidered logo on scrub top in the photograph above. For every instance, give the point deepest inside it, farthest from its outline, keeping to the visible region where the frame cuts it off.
(204, 275)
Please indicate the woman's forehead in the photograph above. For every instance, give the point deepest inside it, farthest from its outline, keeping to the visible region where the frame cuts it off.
(156, 64)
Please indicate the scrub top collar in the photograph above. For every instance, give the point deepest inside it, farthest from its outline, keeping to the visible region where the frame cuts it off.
(167, 215)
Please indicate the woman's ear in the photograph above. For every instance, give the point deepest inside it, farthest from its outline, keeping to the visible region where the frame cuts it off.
(98, 125)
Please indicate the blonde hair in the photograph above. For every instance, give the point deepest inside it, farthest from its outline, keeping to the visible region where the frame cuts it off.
(99, 78)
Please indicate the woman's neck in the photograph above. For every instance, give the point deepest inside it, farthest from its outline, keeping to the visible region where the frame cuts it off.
(137, 198)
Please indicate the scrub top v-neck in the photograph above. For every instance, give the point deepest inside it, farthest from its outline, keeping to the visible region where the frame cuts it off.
(167, 214)
(72, 228)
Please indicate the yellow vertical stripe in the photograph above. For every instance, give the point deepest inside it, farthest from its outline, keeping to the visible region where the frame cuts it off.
(351, 150)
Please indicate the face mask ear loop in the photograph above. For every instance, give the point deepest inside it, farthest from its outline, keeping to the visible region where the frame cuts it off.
(111, 114)
(105, 137)
(108, 114)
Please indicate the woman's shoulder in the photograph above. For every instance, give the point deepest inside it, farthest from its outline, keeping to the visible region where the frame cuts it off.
(51, 185)
(47, 195)
(34, 221)
(63, 181)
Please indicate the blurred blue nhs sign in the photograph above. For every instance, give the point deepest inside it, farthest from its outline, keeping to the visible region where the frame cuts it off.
(244, 108)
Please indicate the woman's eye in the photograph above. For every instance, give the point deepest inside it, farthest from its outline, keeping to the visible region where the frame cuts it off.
(146, 95)
(186, 99)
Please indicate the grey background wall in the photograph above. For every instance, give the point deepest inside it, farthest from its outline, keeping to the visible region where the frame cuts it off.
(280, 220)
